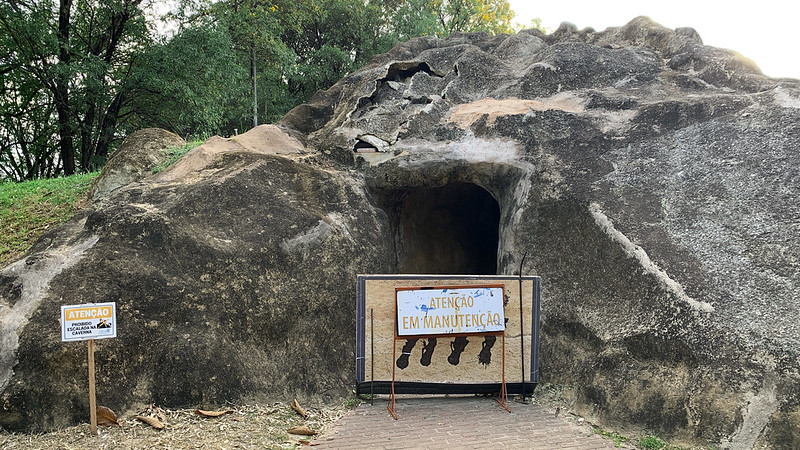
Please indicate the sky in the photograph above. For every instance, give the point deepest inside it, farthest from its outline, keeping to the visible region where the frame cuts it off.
(764, 31)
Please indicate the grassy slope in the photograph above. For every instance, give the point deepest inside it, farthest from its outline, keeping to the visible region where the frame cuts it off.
(30, 208)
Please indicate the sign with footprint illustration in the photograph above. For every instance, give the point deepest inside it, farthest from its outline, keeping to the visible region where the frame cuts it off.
(450, 333)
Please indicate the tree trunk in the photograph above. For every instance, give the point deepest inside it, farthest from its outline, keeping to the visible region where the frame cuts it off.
(87, 128)
(108, 127)
(65, 123)
(255, 84)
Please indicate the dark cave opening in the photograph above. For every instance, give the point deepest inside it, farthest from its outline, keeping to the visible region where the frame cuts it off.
(452, 229)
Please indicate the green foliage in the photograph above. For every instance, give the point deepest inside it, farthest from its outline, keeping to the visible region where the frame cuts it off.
(356, 400)
(26, 108)
(30, 208)
(294, 48)
(412, 18)
(192, 85)
(443, 17)
(174, 153)
(71, 59)
(492, 16)
(352, 402)
(615, 437)
(652, 442)
(536, 23)
(73, 88)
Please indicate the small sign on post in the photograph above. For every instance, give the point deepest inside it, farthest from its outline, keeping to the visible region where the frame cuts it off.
(89, 322)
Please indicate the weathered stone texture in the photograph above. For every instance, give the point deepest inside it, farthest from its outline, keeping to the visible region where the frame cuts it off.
(230, 287)
(650, 180)
(140, 153)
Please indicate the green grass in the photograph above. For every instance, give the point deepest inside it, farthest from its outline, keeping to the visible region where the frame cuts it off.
(653, 442)
(30, 208)
(356, 400)
(174, 153)
(617, 438)
(647, 442)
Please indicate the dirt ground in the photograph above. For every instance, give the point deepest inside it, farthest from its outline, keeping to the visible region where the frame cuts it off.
(240, 427)
(245, 427)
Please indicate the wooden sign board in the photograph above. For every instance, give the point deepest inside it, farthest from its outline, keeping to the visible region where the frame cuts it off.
(467, 360)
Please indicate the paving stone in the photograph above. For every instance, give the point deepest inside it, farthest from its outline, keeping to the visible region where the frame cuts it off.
(458, 422)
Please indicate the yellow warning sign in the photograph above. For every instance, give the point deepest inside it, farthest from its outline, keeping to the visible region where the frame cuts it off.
(88, 321)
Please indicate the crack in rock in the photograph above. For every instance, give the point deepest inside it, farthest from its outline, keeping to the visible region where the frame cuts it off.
(638, 253)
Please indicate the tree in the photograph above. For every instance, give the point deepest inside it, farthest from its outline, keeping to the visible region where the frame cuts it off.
(295, 48)
(292, 48)
(492, 16)
(26, 129)
(79, 54)
(77, 74)
(192, 85)
(330, 38)
(26, 115)
(412, 18)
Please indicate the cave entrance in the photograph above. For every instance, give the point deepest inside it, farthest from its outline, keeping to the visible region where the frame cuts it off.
(452, 229)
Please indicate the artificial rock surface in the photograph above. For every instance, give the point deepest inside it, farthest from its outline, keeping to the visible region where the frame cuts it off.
(140, 153)
(651, 182)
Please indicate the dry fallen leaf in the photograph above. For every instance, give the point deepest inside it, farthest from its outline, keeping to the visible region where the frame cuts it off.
(261, 426)
(106, 417)
(296, 406)
(152, 421)
(304, 430)
(200, 412)
(309, 443)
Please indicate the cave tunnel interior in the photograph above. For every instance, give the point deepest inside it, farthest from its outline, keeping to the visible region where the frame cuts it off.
(451, 229)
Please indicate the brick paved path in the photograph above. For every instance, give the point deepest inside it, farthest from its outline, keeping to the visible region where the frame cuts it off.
(460, 422)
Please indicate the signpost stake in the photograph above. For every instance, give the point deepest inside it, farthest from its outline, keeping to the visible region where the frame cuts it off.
(503, 397)
(391, 404)
(521, 327)
(88, 322)
(92, 399)
(372, 358)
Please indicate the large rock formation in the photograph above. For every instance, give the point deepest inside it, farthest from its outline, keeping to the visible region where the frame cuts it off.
(233, 277)
(140, 153)
(650, 180)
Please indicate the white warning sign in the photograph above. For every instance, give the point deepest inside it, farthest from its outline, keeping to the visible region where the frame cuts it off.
(88, 321)
(459, 310)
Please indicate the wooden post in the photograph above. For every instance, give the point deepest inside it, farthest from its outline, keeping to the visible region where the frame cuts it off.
(372, 358)
(522, 327)
(92, 400)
